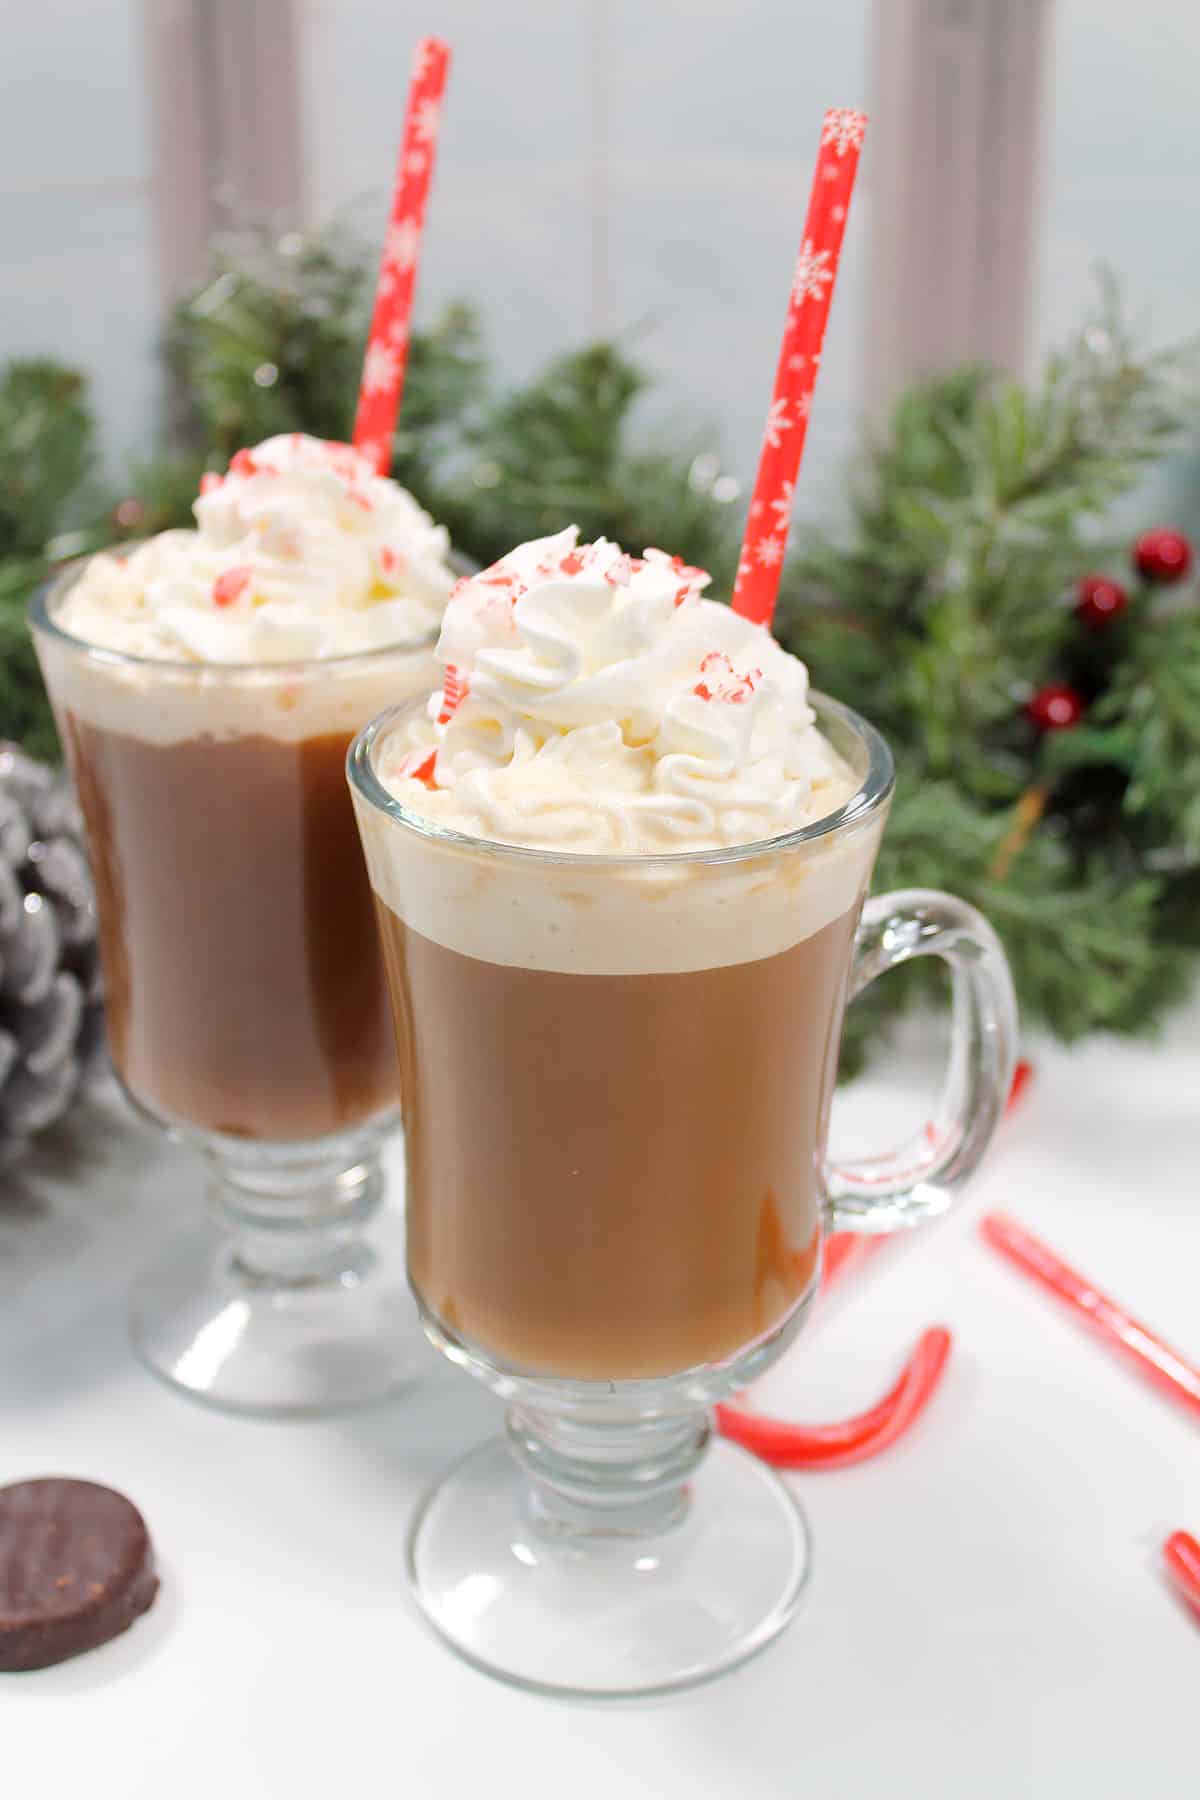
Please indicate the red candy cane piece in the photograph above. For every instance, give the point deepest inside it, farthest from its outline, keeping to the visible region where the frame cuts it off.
(230, 586)
(851, 1440)
(1181, 1557)
(455, 688)
(418, 765)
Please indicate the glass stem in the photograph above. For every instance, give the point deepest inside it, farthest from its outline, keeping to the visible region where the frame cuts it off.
(295, 1219)
(607, 1479)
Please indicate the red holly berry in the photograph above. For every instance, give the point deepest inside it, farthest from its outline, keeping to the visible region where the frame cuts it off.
(1163, 556)
(1055, 707)
(1099, 600)
(130, 514)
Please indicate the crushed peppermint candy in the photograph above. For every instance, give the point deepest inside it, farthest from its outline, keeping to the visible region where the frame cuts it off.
(418, 765)
(455, 688)
(733, 692)
(230, 586)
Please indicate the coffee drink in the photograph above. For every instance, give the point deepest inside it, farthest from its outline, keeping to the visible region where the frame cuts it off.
(244, 993)
(617, 1060)
(641, 1194)
(208, 735)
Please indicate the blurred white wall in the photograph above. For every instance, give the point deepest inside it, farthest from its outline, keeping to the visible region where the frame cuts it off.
(709, 111)
(655, 190)
(77, 276)
(1121, 165)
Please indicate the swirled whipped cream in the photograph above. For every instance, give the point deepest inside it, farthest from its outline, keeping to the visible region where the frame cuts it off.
(300, 551)
(594, 702)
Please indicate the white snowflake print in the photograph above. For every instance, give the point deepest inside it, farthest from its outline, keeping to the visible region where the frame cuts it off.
(401, 244)
(777, 423)
(380, 368)
(396, 335)
(813, 274)
(415, 162)
(802, 405)
(769, 551)
(422, 60)
(844, 129)
(797, 363)
(756, 507)
(426, 122)
(782, 504)
(837, 214)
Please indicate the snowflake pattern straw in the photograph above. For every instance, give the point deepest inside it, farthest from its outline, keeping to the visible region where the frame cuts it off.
(387, 345)
(799, 360)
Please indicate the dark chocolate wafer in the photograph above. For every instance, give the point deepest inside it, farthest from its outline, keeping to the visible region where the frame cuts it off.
(76, 1569)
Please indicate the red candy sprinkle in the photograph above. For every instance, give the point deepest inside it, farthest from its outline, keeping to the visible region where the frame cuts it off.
(231, 585)
(418, 764)
(243, 462)
(454, 691)
(210, 481)
(572, 563)
(733, 692)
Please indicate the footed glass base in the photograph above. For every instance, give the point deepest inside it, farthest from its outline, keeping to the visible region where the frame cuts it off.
(340, 1332)
(612, 1612)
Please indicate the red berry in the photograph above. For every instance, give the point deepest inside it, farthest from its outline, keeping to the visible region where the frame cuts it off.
(1055, 707)
(1163, 556)
(1099, 600)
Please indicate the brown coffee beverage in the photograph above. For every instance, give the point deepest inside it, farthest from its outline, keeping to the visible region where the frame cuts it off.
(245, 993)
(614, 1176)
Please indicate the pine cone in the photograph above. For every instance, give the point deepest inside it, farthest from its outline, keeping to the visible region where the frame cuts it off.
(51, 1016)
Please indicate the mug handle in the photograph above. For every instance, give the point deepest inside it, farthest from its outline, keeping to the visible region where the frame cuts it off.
(923, 1177)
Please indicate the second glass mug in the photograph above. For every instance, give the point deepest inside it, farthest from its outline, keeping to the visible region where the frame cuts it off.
(245, 1004)
(617, 1076)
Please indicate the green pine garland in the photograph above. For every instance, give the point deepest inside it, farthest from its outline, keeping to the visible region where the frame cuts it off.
(947, 601)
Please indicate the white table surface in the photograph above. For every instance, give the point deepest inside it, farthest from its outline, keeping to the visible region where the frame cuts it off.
(986, 1618)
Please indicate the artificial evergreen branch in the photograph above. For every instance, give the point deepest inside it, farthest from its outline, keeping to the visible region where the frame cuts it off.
(946, 603)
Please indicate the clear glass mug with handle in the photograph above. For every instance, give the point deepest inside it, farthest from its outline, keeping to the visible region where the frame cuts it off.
(245, 1007)
(617, 1075)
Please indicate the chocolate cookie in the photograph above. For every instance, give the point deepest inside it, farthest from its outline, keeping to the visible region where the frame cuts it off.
(76, 1568)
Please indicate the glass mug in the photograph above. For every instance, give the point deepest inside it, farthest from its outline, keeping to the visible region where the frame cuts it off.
(245, 1004)
(617, 1077)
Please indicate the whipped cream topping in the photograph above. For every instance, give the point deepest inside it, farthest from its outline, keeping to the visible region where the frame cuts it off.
(300, 551)
(594, 702)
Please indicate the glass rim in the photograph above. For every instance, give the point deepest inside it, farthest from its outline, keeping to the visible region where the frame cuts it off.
(873, 791)
(41, 619)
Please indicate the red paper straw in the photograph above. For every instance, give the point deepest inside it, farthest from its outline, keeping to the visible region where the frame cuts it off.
(799, 359)
(387, 344)
(1153, 1358)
